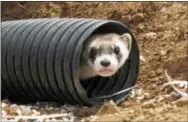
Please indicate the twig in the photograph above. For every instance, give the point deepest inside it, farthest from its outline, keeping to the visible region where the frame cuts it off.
(172, 82)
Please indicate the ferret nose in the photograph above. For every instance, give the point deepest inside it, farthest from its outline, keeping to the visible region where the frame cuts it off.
(105, 63)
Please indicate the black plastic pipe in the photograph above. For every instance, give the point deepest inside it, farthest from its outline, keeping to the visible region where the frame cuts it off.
(40, 61)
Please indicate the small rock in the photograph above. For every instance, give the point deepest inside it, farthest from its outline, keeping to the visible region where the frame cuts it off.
(151, 35)
(19, 112)
(35, 112)
(163, 9)
(147, 105)
(132, 94)
(3, 105)
(3, 112)
(129, 103)
(138, 17)
(126, 19)
(108, 108)
(142, 58)
(162, 52)
(93, 117)
(141, 27)
(13, 105)
(140, 98)
(65, 119)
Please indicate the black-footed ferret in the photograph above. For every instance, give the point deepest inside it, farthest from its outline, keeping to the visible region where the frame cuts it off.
(104, 54)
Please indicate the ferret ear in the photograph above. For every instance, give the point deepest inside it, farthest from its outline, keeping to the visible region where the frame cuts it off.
(127, 39)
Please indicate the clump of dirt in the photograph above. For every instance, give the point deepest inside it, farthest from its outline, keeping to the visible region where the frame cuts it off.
(161, 29)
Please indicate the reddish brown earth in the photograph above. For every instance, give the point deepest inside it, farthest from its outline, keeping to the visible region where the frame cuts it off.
(161, 29)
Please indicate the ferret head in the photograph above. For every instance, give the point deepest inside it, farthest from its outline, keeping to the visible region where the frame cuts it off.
(106, 53)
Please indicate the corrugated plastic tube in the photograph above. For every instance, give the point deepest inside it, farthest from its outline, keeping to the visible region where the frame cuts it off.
(40, 61)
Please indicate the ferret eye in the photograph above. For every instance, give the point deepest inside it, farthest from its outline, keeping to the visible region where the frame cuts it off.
(116, 50)
(93, 52)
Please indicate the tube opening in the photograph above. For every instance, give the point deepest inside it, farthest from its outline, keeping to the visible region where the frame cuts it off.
(97, 86)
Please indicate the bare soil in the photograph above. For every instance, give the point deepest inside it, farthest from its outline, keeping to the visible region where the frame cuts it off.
(161, 29)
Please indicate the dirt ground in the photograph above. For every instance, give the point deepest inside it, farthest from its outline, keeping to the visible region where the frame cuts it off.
(161, 29)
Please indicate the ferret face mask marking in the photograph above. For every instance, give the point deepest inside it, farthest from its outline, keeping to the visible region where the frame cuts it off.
(106, 53)
(103, 59)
